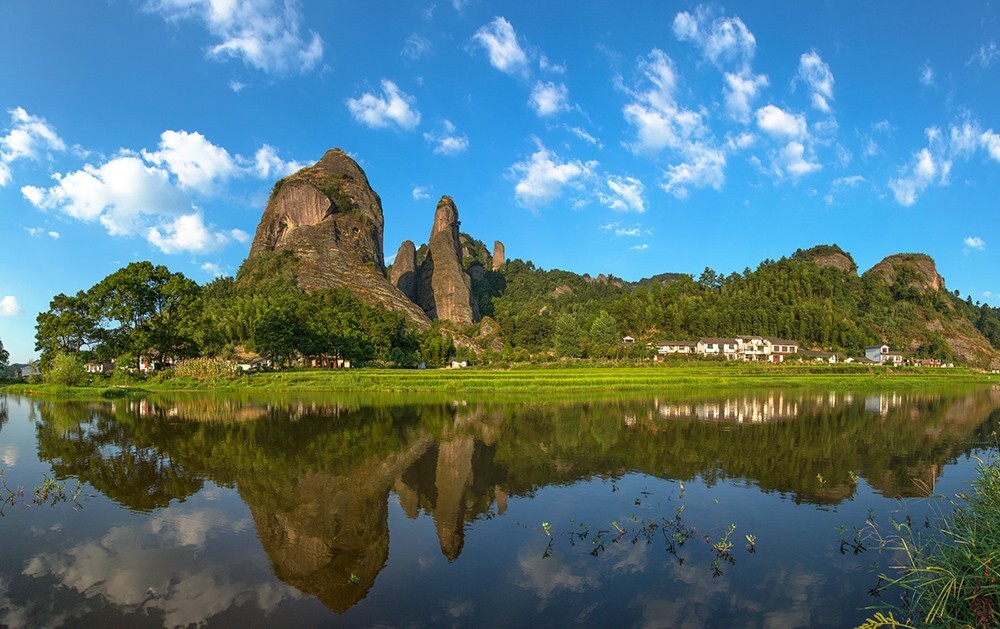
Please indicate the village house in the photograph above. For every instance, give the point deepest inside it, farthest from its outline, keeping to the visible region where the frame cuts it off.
(821, 356)
(717, 347)
(880, 354)
(669, 348)
(98, 367)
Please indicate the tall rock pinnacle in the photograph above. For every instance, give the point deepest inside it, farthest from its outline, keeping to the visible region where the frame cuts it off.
(404, 270)
(445, 290)
(328, 215)
(499, 255)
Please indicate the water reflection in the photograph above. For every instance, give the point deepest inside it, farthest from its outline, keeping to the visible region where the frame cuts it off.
(317, 473)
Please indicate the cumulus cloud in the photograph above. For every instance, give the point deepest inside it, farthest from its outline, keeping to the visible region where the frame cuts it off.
(548, 99)
(795, 162)
(741, 91)
(641, 247)
(9, 306)
(623, 194)
(213, 269)
(392, 108)
(586, 137)
(729, 45)
(448, 141)
(704, 168)
(543, 177)
(197, 163)
(500, 42)
(781, 124)
(851, 181)
(186, 234)
(815, 73)
(420, 193)
(725, 41)
(974, 243)
(264, 34)
(152, 193)
(267, 164)
(416, 47)
(29, 137)
(932, 165)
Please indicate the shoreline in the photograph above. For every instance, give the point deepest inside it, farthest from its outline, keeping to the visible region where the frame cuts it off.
(545, 380)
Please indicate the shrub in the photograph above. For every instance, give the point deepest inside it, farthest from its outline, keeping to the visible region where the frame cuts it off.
(205, 369)
(66, 369)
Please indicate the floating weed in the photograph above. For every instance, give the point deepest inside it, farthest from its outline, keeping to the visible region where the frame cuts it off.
(51, 492)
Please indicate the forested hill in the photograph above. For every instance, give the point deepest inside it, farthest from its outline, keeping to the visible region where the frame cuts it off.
(814, 296)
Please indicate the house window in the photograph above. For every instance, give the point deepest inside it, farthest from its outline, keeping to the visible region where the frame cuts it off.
(711, 346)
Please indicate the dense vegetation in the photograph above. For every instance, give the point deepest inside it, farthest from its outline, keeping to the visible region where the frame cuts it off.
(145, 310)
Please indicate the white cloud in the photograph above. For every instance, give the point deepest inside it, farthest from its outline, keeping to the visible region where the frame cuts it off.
(212, 269)
(624, 194)
(264, 34)
(394, 107)
(542, 177)
(268, 165)
(420, 193)
(449, 141)
(985, 56)
(851, 181)
(741, 90)
(237, 86)
(780, 124)
(28, 138)
(871, 148)
(500, 41)
(187, 233)
(152, 193)
(586, 137)
(660, 123)
(815, 73)
(974, 242)
(926, 74)
(704, 168)
(932, 165)
(35, 232)
(9, 306)
(726, 41)
(54, 234)
(641, 247)
(197, 163)
(795, 162)
(548, 98)
(118, 193)
(416, 47)
(548, 66)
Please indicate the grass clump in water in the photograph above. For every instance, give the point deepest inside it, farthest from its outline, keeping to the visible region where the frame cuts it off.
(952, 576)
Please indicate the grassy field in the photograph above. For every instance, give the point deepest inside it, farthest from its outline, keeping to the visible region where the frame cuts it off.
(575, 379)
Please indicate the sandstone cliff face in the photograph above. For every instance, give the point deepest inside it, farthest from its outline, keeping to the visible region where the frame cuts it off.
(329, 216)
(445, 290)
(403, 274)
(917, 269)
(499, 255)
(829, 256)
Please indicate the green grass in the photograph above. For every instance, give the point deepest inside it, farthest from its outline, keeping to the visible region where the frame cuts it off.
(952, 571)
(573, 379)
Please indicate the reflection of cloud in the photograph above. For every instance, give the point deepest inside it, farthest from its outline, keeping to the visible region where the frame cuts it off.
(10, 455)
(457, 609)
(166, 565)
(629, 558)
(546, 576)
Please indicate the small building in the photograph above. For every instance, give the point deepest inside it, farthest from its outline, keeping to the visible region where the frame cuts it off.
(820, 356)
(882, 355)
(29, 370)
(627, 340)
(459, 364)
(99, 367)
(725, 347)
(673, 348)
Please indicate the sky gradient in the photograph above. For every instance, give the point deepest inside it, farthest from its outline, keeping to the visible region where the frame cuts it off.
(624, 138)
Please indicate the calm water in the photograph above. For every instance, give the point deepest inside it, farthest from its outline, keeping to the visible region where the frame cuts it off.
(368, 510)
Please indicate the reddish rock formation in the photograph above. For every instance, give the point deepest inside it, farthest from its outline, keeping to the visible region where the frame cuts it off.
(445, 290)
(499, 255)
(917, 269)
(829, 256)
(403, 274)
(329, 216)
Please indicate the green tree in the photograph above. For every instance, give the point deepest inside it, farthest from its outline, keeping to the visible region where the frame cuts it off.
(4, 355)
(68, 326)
(276, 336)
(568, 337)
(65, 369)
(603, 335)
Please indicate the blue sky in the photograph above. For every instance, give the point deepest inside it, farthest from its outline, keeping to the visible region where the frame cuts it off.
(626, 138)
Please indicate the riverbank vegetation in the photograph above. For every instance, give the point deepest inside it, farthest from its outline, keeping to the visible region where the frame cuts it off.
(951, 568)
(569, 378)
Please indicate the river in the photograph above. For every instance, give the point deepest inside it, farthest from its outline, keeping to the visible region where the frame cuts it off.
(684, 509)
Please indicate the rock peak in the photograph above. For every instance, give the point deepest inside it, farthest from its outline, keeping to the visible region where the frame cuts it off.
(917, 269)
(445, 289)
(499, 255)
(403, 274)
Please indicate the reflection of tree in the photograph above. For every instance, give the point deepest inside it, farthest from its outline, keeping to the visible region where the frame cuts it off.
(317, 471)
(3, 411)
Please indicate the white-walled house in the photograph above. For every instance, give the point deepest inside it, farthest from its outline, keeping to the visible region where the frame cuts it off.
(672, 348)
(717, 347)
(882, 355)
